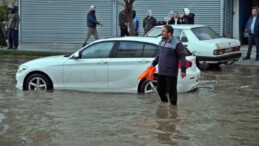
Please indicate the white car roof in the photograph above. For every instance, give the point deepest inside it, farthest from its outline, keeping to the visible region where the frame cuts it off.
(184, 26)
(133, 38)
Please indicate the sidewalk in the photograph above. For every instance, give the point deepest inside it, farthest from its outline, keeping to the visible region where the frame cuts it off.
(250, 62)
(70, 48)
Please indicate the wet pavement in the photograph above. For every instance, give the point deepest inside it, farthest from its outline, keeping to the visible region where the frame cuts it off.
(223, 111)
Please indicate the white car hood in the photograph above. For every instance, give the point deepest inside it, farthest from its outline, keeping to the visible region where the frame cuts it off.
(222, 43)
(46, 61)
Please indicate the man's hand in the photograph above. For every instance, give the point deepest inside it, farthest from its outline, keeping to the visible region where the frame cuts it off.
(183, 74)
(152, 65)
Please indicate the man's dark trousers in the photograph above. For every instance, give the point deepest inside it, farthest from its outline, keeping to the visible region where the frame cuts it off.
(13, 38)
(251, 40)
(124, 32)
(167, 84)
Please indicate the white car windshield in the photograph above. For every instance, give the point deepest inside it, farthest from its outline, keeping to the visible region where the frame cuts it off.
(156, 32)
(205, 33)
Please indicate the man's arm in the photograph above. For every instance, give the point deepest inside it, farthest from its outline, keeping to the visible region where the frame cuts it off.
(247, 23)
(17, 21)
(122, 19)
(155, 22)
(144, 22)
(181, 53)
(155, 61)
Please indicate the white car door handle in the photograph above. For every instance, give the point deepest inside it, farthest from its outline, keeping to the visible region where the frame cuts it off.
(143, 61)
(102, 62)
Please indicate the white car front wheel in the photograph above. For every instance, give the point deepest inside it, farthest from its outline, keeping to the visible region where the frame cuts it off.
(148, 87)
(37, 82)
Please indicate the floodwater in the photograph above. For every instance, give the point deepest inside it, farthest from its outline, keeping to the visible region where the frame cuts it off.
(224, 111)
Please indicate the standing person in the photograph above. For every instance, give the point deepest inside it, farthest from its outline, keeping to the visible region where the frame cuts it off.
(124, 22)
(3, 18)
(171, 50)
(252, 27)
(135, 22)
(12, 28)
(188, 17)
(149, 22)
(175, 19)
(91, 24)
(2, 36)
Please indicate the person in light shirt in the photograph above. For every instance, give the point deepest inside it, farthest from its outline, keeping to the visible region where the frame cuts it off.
(252, 27)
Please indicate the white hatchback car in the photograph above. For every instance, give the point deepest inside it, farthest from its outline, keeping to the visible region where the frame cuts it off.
(107, 65)
(205, 43)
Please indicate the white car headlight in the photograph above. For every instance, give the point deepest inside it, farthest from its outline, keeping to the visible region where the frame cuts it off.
(21, 69)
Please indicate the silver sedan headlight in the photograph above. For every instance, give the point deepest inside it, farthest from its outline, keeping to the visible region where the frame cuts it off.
(21, 69)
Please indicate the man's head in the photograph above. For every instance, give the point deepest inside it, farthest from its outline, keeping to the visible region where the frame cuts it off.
(149, 13)
(134, 13)
(255, 11)
(10, 8)
(186, 11)
(175, 15)
(92, 8)
(167, 32)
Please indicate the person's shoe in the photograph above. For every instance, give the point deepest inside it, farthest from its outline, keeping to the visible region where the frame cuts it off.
(246, 58)
(257, 59)
(15, 48)
(9, 48)
(174, 104)
(83, 44)
(165, 101)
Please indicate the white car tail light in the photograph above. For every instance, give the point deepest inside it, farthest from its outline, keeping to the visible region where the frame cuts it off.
(188, 64)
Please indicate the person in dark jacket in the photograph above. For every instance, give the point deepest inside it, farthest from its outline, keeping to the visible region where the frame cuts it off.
(2, 36)
(188, 17)
(12, 28)
(91, 24)
(171, 50)
(149, 22)
(175, 19)
(124, 22)
(252, 27)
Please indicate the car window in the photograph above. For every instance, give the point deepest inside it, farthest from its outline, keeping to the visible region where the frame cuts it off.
(184, 38)
(99, 50)
(205, 33)
(187, 52)
(150, 50)
(129, 50)
(177, 33)
(156, 32)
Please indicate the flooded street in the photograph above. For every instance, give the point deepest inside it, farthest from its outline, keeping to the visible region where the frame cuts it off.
(223, 111)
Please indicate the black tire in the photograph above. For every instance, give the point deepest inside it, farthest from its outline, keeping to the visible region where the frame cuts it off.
(145, 86)
(38, 82)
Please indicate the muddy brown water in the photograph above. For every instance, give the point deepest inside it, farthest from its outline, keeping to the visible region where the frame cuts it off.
(223, 111)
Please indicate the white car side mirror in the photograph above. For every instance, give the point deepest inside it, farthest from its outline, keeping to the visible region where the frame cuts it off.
(76, 55)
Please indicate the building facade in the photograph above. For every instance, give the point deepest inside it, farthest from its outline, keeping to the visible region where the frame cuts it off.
(64, 21)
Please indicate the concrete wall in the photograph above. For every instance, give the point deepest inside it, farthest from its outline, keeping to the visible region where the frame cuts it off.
(236, 31)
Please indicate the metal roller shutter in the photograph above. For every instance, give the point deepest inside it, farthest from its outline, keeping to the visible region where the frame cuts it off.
(207, 11)
(61, 21)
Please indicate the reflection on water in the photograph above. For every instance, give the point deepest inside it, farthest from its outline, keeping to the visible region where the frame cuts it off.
(223, 111)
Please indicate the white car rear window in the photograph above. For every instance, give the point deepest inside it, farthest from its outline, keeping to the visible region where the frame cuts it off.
(205, 33)
(156, 32)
